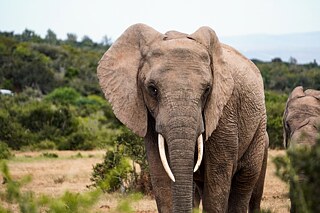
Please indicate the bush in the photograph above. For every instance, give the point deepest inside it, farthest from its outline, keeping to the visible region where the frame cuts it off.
(4, 151)
(80, 140)
(12, 132)
(45, 145)
(50, 155)
(112, 173)
(63, 95)
(301, 168)
(49, 121)
(275, 104)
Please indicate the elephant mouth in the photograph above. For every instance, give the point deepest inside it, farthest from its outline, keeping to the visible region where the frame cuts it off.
(164, 160)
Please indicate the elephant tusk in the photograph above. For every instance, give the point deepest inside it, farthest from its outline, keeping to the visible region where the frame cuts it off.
(200, 153)
(164, 158)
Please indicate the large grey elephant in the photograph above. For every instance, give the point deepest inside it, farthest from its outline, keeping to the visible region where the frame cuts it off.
(301, 122)
(199, 104)
(301, 118)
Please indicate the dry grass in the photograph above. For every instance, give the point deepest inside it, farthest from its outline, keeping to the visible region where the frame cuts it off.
(70, 171)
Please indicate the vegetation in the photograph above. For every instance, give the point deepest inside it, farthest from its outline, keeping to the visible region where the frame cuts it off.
(85, 122)
(275, 104)
(5, 152)
(115, 172)
(301, 169)
(58, 104)
(28, 202)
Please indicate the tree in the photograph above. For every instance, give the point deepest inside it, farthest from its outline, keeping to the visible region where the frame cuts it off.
(293, 61)
(106, 41)
(277, 59)
(86, 41)
(29, 35)
(71, 38)
(51, 37)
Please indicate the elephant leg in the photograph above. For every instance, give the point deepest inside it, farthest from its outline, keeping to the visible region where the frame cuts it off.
(219, 167)
(161, 183)
(250, 169)
(255, 201)
(197, 194)
(220, 157)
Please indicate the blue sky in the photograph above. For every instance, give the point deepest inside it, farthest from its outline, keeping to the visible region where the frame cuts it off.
(97, 18)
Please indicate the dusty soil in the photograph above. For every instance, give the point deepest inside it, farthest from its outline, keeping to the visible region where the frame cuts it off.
(72, 170)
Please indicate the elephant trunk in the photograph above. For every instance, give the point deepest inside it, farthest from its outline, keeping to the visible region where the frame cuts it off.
(181, 143)
(182, 163)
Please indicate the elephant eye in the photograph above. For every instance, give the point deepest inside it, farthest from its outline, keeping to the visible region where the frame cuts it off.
(153, 91)
(207, 91)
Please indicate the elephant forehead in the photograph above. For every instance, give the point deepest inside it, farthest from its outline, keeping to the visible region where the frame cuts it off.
(179, 48)
(305, 106)
(176, 58)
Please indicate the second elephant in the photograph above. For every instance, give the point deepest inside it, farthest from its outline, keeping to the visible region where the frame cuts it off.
(301, 117)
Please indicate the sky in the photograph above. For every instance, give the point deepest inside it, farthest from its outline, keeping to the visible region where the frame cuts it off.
(99, 18)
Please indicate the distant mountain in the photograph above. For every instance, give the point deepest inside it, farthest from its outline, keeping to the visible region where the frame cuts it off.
(304, 47)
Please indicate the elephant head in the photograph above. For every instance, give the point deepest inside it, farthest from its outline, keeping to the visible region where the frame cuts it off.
(301, 118)
(178, 81)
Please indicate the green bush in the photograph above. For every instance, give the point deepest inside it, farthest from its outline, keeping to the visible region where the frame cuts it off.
(49, 121)
(115, 170)
(12, 132)
(63, 95)
(45, 145)
(5, 152)
(275, 104)
(50, 155)
(301, 168)
(80, 140)
(111, 174)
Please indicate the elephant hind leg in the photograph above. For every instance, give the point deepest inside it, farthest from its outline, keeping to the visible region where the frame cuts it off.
(254, 204)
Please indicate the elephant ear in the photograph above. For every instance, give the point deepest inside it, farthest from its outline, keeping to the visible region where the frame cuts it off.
(223, 82)
(117, 72)
(296, 93)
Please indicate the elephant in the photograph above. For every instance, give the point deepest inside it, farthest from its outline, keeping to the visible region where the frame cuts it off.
(301, 120)
(199, 105)
(301, 117)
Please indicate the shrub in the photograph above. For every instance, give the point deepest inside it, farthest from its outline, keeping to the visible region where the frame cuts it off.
(50, 121)
(12, 132)
(80, 140)
(45, 145)
(114, 171)
(4, 151)
(50, 155)
(111, 174)
(301, 168)
(63, 95)
(275, 104)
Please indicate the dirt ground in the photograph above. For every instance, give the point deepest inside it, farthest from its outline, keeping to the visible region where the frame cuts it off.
(72, 170)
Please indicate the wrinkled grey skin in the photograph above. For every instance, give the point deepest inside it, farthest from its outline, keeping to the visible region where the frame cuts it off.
(301, 120)
(182, 86)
